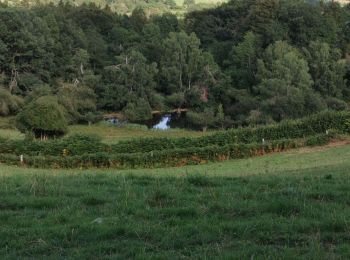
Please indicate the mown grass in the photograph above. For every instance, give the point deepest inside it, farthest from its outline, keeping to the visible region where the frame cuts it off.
(289, 205)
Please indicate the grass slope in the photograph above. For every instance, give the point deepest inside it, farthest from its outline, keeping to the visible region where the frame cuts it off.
(286, 205)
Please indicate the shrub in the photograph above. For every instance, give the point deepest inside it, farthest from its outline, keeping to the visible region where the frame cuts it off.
(308, 126)
(78, 145)
(82, 144)
(44, 117)
(138, 111)
(163, 158)
(319, 139)
(347, 126)
(202, 120)
(73, 145)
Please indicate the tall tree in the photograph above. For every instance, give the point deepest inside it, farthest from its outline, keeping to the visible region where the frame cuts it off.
(185, 68)
(326, 68)
(285, 85)
(243, 61)
(129, 79)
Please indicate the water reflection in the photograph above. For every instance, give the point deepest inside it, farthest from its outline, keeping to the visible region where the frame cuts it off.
(158, 121)
(164, 123)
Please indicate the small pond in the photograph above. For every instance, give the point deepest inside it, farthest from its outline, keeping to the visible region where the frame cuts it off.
(161, 121)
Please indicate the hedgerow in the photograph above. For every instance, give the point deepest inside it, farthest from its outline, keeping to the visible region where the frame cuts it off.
(80, 144)
(89, 151)
(308, 126)
(73, 145)
(164, 158)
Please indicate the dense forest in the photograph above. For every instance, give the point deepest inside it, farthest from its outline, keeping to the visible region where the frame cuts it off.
(245, 62)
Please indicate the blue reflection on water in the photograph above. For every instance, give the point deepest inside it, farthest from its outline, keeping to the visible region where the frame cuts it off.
(164, 123)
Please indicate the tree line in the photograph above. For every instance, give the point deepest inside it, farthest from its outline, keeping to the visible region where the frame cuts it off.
(245, 62)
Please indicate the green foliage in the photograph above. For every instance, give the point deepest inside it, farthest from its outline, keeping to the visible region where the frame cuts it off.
(138, 19)
(43, 116)
(318, 140)
(97, 159)
(327, 71)
(79, 101)
(220, 116)
(286, 59)
(89, 151)
(80, 144)
(9, 104)
(264, 61)
(284, 82)
(292, 129)
(91, 117)
(77, 144)
(164, 158)
(347, 125)
(138, 111)
(244, 59)
(129, 81)
(185, 68)
(202, 119)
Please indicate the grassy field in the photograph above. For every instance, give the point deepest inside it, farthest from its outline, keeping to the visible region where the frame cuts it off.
(288, 205)
(112, 134)
(109, 133)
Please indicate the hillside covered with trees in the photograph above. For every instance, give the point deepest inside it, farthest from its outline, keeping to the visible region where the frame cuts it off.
(245, 62)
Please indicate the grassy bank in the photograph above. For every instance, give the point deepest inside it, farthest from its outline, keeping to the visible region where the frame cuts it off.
(284, 205)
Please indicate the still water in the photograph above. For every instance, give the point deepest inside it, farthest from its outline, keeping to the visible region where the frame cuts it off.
(164, 123)
(161, 121)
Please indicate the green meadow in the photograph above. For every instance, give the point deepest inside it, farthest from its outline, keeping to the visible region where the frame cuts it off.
(108, 133)
(287, 205)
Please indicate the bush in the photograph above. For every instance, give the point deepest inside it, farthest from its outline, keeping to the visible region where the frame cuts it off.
(347, 126)
(78, 145)
(44, 117)
(73, 145)
(308, 126)
(164, 158)
(82, 144)
(138, 111)
(89, 151)
(320, 139)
